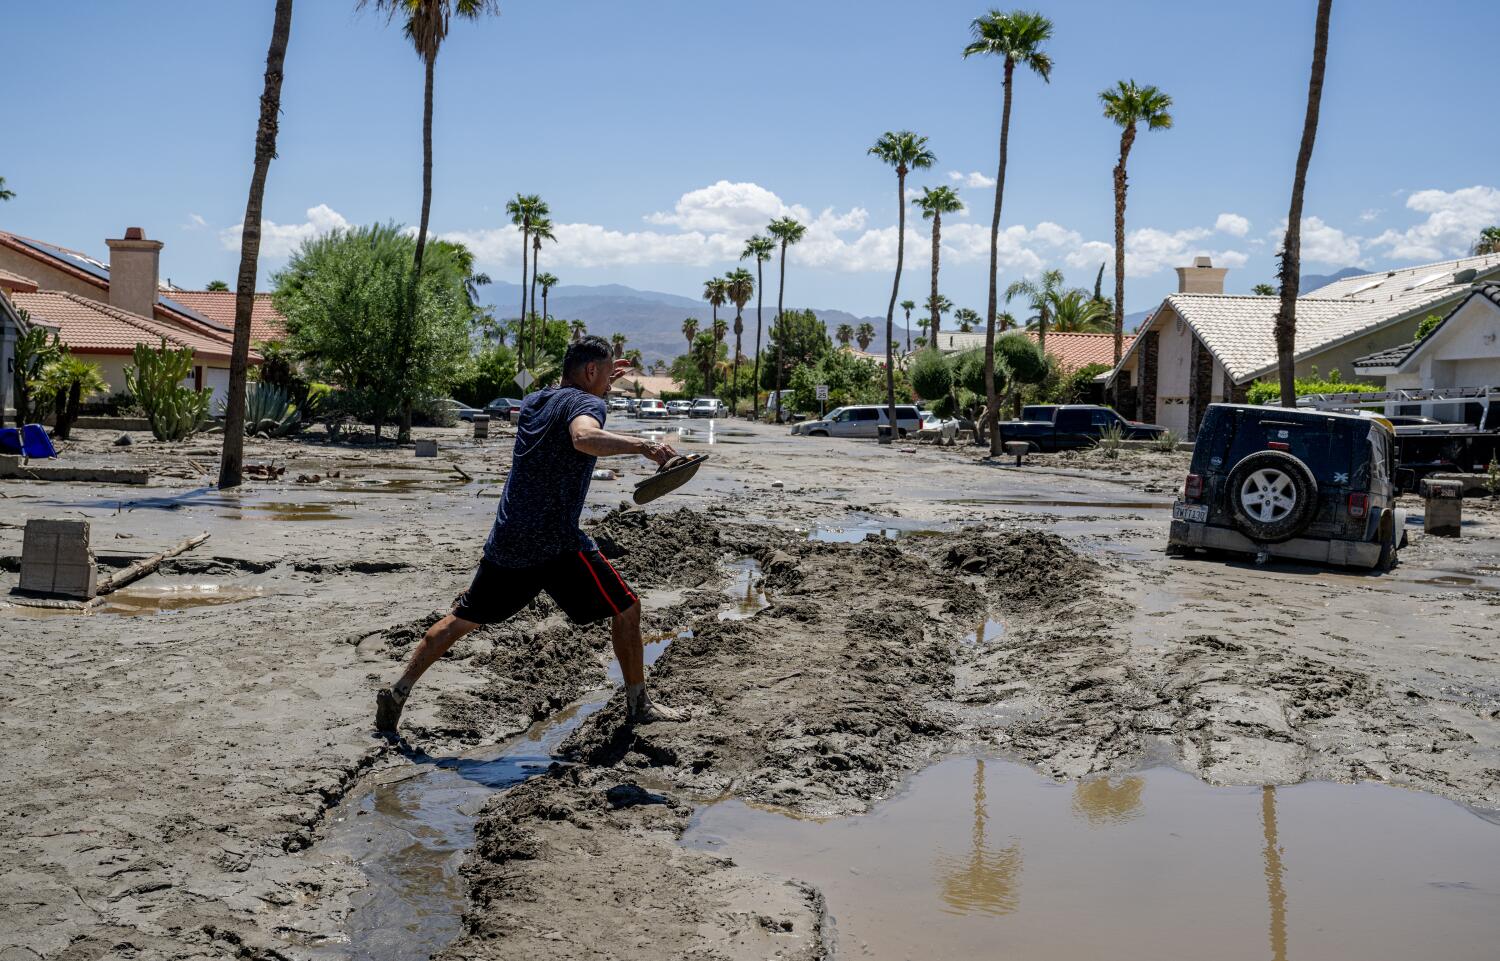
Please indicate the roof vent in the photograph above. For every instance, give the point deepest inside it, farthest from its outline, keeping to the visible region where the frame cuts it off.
(134, 233)
(1465, 276)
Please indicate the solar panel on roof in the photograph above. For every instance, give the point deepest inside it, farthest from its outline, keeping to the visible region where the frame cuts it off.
(86, 264)
(1428, 279)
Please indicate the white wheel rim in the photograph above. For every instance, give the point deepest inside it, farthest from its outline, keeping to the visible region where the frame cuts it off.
(1268, 495)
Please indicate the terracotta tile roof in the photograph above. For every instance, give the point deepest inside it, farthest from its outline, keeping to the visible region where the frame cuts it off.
(266, 322)
(16, 283)
(1072, 351)
(88, 326)
(651, 384)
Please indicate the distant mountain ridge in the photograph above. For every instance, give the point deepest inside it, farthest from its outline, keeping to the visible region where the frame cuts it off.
(1311, 282)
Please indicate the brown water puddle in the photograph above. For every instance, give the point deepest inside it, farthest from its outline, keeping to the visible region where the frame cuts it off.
(136, 601)
(986, 859)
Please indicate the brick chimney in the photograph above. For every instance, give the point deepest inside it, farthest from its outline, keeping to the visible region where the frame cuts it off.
(133, 265)
(1201, 278)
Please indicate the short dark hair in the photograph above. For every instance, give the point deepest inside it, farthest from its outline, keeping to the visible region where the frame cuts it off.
(586, 350)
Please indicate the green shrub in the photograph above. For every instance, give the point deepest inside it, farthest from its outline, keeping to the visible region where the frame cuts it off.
(156, 380)
(931, 375)
(1166, 441)
(1111, 440)
(1269, 391)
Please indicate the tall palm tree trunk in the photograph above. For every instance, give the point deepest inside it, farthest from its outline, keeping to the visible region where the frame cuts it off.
(1291, 255)
(540, 331)
(755, 379)
(779, 331)
(890, 310)
(403, 433)
(1127, 140)
(992, 400)
(544, 306)
(713, 330)
(525, 260)
(734, 383)
(232, 457)
(937, 232)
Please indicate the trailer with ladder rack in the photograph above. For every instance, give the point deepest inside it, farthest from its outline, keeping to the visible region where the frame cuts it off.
(1466, 438)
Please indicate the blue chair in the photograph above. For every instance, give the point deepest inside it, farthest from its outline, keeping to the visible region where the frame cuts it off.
(35, 443)
(10, 440)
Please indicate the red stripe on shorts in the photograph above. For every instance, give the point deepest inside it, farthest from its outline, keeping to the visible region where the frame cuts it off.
(600, 584)
(628, 592)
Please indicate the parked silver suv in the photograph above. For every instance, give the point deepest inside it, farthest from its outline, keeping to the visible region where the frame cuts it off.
(860, 420)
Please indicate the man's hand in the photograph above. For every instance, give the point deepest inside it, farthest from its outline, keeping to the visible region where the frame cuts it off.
(621, 368)
(661, 453)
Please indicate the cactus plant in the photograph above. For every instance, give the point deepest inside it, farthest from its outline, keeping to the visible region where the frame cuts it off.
(268, 410)
(174, 410)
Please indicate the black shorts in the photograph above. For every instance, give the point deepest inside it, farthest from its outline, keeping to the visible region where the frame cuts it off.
(582, 583)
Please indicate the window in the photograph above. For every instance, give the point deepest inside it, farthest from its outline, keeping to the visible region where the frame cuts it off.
(1103, 418)
(1072, 420)
(866, 413)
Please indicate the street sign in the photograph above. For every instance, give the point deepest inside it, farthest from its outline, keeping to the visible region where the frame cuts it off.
(524, 378)
(822, 390)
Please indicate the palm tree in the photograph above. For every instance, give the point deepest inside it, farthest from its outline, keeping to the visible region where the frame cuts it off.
(525, 210)
(1291, 248)
(6, 194)
(1015, 37)
(845, 332)
(904, 151)
(864, 335)
(907, 306)
(618, 342)
(715, 291)
(761, 248)
(577, 327)
(936, 201)
(926, 324)
(634, 356)
(937, 308)
(1129, 105)
(1263, 290)
(739, 284)
(1039, 297)
(548, 281)
(1488, 242)
(786, 231)
(966, 319)
(1077, 312)
(232, 455)
(541, 229)
(690, 330)
(217, 286)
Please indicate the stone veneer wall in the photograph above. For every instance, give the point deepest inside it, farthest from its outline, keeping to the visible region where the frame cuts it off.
(1148, 376)
(1201, 386)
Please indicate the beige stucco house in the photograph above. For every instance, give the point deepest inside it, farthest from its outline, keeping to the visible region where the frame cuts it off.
(1202, 346)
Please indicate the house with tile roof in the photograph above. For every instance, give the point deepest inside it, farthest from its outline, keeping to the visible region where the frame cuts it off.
(1202, 346)
(102, 310)
(11, 328)
(1459, 355)
(1072, 350)
(266, 322)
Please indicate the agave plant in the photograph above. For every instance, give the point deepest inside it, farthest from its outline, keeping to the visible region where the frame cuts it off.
(1111, 439)
(175, 411)
(269, 410)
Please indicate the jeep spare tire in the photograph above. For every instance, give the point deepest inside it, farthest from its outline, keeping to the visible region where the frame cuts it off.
(1272, 495)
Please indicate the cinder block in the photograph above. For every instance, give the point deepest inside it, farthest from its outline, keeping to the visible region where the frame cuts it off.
(481, 426)
(426, 448)
(56, 559)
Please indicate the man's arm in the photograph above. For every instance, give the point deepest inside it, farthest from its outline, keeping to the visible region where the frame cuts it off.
(592, 439)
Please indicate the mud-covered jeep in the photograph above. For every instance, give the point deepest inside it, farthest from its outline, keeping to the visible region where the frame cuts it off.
(1297, 484)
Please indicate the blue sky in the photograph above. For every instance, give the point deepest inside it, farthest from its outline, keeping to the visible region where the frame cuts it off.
(662, 133)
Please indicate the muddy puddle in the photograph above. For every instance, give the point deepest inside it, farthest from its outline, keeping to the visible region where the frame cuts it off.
(986, 859)
(857, 529)
(1038, 502)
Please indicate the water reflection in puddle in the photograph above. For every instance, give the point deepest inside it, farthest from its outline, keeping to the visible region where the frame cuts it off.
(746, 590)
(987, 633)
(135, 601)
(984, 859)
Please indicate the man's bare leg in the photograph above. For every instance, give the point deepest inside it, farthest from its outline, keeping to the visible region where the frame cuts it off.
(630, 651)
(434, 644)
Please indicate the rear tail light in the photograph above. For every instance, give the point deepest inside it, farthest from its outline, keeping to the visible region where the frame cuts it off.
(1193, 488)
(1279, 445)
(1359, 505)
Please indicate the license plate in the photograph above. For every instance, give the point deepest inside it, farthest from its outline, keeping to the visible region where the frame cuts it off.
(1197, 513)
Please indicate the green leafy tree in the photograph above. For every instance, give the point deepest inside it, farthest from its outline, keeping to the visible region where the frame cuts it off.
(1016, 38)
(33, 351)
(739, 285)
(1263, 290)
(1129, 106)
(762, 249)
(1427, 325)
(934, 202)
(1290, 274)
(1487, 243)
(786, 232)
(850, 380)
(1076, 387)
(800, 338)
(904, 152)
(232, 454)
(931, 375)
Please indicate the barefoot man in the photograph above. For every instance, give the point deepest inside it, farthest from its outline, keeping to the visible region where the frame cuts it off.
(536, 544)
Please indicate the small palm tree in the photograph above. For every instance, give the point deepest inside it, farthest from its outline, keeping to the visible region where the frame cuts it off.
(1077, 312)
(617, 341)
(787, 232)
(576, 327)
(845, 332)
(864, 335)
(232, 454)
(907, 306)
(762, 249)
(739, 284)
(1488, 242)
(1016, 38)
(68, 380)
(1038, 297)
(716, 292)
(934, 202)
(690, 330)
(525, 210)
(966, 319)
(541, 229)
(10, 194)
(548, 281)
(1129, 105)
(905, 151)
(634, 356)
(1291, 247)
(217, 286)
(1263, 290)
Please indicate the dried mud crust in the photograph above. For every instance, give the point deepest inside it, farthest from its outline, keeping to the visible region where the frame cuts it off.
(585, 863)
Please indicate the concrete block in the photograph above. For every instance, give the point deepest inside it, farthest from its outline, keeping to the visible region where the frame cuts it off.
(1443, 506)
(426, 448)
(481, 426)
(56, 559)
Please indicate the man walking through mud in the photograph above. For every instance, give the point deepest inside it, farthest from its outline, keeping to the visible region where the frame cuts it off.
(536, 544)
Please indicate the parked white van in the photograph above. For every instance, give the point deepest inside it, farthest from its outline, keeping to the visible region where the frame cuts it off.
(861, 420)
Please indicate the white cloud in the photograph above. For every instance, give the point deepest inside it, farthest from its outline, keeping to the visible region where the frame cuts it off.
(1365, 216)
(973, 179)
(1326, 244)
(1232, 224)
(280, 240)
(744, 207)
(1454, 219)
(196, 222)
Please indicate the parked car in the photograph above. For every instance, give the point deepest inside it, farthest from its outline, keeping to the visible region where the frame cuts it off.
(632, 404)
(460, 410)
(507, 407)
(650, 409)
(1071, 426)
(860, 420)
(1299, 484)
(709, 407)
(617, 402)
(679, 408)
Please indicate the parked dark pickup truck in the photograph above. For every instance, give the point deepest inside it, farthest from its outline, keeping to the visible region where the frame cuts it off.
(1070, 426)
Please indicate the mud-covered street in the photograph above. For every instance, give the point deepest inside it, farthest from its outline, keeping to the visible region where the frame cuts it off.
(190, 768)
